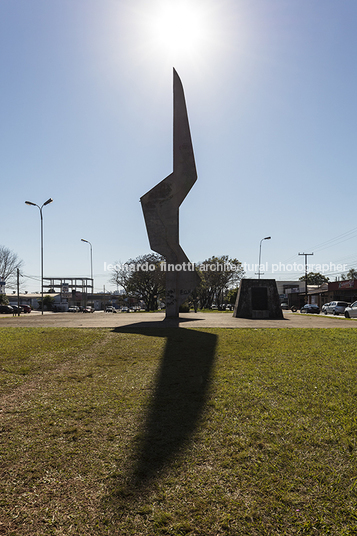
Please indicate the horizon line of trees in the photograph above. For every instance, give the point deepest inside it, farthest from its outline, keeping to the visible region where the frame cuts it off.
(149, 285)
(316, 278)
(216, 287)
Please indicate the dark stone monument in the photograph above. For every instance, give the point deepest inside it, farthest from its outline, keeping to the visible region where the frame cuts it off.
(258, 298)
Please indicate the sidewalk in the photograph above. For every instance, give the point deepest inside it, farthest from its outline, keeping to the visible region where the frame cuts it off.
(157, 320)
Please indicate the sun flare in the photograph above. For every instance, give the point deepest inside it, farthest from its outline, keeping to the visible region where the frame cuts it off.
(180, 28)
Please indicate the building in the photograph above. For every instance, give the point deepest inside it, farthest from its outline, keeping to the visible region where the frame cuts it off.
(334, 291)
(64, 300)
(31, 299)
(318, 294)
(290, 291)
(342, 291)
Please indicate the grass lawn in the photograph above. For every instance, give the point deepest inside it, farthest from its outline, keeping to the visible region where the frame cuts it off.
(208, 432)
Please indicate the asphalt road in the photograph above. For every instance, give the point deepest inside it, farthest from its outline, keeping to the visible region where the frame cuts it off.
(188, 320)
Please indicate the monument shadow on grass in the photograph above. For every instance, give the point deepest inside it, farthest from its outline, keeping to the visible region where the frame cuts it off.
(179, 396)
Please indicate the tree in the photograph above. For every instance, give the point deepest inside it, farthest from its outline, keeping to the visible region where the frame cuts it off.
(141, 278)
(314, 278)
(9, 263)
(3, 299)
(351, 274)
(231, 296)
(48, 302)
(217, 274)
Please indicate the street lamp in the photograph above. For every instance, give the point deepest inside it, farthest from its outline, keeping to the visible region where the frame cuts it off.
(91, 262)
(260, 252)
(40, 209)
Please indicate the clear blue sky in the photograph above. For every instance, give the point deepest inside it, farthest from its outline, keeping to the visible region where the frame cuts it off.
(86, 118)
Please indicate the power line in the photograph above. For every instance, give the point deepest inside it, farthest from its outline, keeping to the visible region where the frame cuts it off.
(33, 277)
(332, 241)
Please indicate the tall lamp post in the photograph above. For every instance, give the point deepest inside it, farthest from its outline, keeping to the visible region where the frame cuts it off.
(40, 209)
(260, 253)
(91, 262)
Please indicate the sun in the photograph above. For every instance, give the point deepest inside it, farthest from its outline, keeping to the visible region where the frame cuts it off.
(180, 28)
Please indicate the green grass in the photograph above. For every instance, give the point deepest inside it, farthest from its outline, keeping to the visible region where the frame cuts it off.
(209, 432)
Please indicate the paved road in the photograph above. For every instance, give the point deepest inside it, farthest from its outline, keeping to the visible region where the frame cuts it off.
(187, 320)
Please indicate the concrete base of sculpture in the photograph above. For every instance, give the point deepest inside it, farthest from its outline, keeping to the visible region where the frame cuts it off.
(258, 298)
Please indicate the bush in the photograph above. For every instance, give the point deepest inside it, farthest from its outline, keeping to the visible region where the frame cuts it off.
(184, 308)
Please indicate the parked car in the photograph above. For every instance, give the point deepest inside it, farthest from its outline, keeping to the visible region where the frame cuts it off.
(351, 310)
(6, 309)
(88, 309)
(336, 307)
(284, 306)
(110, 309)
(17, 309)
(310, 308)
(73, 309)
(26, 308)
(323, 308)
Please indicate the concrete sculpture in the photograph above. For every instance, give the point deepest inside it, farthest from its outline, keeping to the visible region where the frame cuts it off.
(161, 209)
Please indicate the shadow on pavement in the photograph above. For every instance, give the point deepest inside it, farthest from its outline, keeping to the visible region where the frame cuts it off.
(180, 392)
(166, 323)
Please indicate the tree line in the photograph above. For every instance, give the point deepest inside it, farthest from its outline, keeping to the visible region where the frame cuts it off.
(148, 285)
(316, 278)
(216, 286)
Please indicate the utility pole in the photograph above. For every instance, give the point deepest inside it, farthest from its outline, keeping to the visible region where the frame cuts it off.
(306, 255)
(18, 292)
